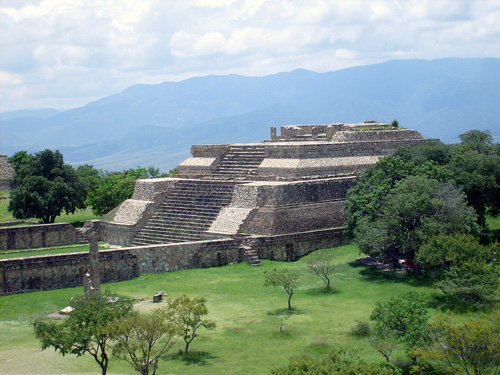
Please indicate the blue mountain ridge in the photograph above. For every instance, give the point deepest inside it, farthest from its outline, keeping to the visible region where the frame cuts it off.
(156, 124)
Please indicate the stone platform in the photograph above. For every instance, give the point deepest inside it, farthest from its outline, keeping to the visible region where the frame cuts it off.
(291, 183)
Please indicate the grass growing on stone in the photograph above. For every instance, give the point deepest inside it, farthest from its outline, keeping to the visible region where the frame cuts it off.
(5, 254)
(247, 339)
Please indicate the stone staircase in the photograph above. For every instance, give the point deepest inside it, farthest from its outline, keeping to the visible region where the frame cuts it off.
(251, 256)
(240, 161)
(186, 212)
(81, 236)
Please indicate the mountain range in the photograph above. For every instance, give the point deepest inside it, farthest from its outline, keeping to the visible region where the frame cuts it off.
(155, 125)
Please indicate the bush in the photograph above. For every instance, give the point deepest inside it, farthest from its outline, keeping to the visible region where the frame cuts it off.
(361, 329)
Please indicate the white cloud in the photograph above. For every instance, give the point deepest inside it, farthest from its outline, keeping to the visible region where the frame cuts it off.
(90, 48)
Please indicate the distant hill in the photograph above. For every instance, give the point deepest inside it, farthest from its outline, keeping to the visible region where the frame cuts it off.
(156, 124)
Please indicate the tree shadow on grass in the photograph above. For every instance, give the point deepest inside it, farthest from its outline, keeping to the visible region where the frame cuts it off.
(285, 311)
(322, 291)
(442, 303)
(192, 357)
(373, 273)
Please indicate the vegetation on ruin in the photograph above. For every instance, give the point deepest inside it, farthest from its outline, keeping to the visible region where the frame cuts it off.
(247, 338)
(6, 254)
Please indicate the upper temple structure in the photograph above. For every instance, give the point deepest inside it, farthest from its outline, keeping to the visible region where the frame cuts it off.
(293, 183)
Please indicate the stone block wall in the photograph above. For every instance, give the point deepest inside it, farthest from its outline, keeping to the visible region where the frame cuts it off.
(19, 275)
(181, 256)
(33, 236)
(290, 247)
(47, 272)
(6, 174)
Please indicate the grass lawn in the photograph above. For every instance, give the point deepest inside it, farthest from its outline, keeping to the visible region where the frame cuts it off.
(5, 254)
(77, 219)
(247, 338)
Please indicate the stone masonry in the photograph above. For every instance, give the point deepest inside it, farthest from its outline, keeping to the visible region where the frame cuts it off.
(295, 182)
(278, 199)
(6, 174)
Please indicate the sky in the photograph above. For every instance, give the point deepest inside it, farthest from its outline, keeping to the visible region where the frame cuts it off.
(66, 53)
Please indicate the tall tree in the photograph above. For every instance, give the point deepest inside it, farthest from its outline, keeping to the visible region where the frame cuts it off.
(112, 188)
(471, 347)
(45, 188)
(85, 330)
(320, 263)
(188, 314)
(416, 209)
(405, 317)
(285, 278)
(467, 272)
(142, 340)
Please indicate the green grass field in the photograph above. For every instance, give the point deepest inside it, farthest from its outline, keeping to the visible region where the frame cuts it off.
(247, 338)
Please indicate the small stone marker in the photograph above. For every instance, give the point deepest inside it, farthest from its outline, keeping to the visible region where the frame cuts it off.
(67, 310)
(159, 296)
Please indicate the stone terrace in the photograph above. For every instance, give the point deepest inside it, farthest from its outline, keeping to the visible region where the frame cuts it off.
(292, 183)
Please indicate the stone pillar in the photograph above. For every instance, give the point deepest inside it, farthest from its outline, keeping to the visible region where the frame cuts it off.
(92, 279)
(273, 132)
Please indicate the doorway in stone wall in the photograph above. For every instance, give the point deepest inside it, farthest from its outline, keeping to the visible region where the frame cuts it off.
(289, 252)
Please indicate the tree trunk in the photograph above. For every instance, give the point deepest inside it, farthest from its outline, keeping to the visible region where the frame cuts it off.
(289, 304)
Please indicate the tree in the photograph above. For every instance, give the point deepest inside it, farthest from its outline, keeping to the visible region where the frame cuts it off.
(471, 346)
(112, 189)
(405, 317)
(84, 332)
(285, 278)
(320, 263)
(477, 140)
(142, 340)
(45, 188)
(468, 272)
(18, 159)
(188, 314)
(416, 209)
(153, 172)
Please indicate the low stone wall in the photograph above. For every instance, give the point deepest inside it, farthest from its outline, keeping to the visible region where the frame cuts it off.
(181, 256)
(33, 236)
(292, 246)
(47, 272)
(20, 275)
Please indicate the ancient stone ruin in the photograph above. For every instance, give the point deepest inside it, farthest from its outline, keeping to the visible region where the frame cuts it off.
(295, 182)
(6, 174)
(278, 199)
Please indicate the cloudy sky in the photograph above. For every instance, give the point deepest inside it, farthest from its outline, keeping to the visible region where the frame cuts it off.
(65, 53)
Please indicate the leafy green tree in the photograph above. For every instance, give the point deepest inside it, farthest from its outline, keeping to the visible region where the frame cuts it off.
(85, 330)
(471, 347)
(45, 188)
(285, 278)
(338, 362)
(87, 174)
(321, 264)
(467, 272)
(188, 314)
(416, 209)
(153, 172)
(142, 340)
(405, 317)
(112, 189)
(477, 140)
(18, 159)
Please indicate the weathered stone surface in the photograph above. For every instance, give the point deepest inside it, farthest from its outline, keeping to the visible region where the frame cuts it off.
(62, 271)
(32, 236)
(6, 174)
